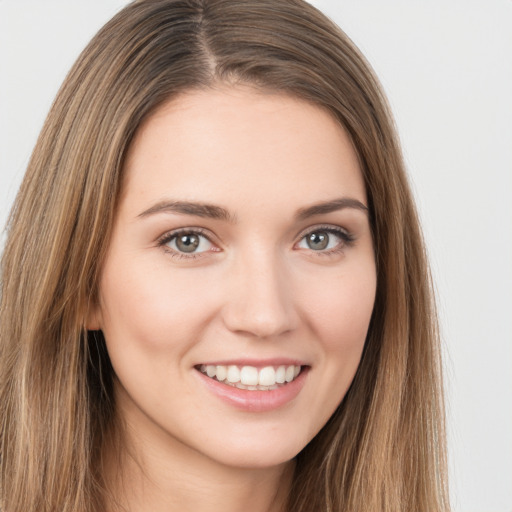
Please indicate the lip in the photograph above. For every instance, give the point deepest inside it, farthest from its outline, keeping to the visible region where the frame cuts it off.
(257, 363)
(255, 401)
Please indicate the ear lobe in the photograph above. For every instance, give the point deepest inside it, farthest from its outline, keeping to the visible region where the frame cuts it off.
(93, 321)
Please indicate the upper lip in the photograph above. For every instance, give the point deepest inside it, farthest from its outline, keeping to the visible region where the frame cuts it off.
(258, 363)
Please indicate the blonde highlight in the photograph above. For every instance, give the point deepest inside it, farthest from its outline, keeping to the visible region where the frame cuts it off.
(383, 449)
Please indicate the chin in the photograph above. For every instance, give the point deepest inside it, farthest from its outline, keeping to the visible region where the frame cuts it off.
(254, 453)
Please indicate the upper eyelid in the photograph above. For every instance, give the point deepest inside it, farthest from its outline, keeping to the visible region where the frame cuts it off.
(170, 235)
(318, 227)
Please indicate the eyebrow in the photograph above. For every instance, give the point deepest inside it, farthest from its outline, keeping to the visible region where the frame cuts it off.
(330, 206)
(210, 211)
(216, 212)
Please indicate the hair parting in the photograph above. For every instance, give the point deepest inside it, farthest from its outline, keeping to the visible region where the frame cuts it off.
(383, 449)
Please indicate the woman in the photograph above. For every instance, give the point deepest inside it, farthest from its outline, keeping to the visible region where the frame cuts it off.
(214, 288)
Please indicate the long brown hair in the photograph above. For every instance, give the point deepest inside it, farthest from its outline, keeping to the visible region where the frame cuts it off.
(383, 449)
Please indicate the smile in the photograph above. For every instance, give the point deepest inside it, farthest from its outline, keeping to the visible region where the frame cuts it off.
(251, 378)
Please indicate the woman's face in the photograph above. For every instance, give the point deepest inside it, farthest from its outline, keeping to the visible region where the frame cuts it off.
(241, 255)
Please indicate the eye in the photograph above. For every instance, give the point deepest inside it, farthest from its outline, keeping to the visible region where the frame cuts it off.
(186, 243)
(326, 240)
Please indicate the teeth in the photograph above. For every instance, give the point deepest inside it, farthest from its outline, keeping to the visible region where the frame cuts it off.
(281, 374)
(267, 376)
(233, 374)
(249, 377)
(221, 373)
(290, 372)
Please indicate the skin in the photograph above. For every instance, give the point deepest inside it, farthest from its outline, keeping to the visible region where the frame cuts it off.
(255, 290)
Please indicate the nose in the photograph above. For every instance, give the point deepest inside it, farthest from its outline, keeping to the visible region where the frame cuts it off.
(260, 301)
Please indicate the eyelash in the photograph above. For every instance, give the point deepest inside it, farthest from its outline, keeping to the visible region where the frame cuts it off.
(347, 240)
(169, 237)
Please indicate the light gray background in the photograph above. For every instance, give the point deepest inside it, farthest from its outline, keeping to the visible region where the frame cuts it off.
(447, 68)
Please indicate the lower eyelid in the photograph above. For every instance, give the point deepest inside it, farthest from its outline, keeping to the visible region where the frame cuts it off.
(181, 255)
(346, 240)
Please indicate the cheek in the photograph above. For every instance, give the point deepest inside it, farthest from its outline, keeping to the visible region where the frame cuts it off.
(148, 305)
(340, 307)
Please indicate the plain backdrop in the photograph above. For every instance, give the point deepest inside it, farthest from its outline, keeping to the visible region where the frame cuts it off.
(446, 66)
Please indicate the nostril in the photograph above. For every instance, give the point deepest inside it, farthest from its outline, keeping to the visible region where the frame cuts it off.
(258, 301)
(260, 324)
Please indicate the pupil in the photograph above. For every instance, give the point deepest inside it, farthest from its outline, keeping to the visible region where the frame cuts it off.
(187, 243)
(318, 240)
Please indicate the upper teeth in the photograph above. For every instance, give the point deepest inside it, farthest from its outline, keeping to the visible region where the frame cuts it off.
(252, 376)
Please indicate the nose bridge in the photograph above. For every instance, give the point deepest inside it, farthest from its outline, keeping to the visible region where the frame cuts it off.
(259, 302)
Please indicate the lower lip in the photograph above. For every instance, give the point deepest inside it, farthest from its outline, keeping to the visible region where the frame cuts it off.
(256, 401)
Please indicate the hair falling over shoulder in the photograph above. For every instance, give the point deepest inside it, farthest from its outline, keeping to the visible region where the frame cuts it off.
(384, 448)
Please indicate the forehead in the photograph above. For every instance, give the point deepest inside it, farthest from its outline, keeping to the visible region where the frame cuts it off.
(241, 146)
